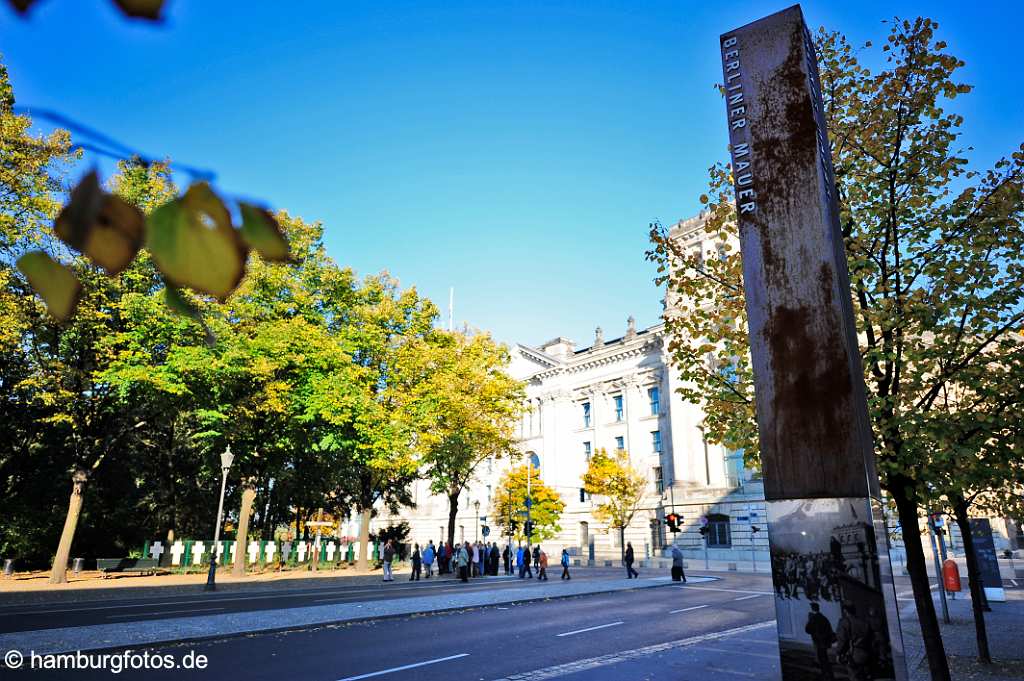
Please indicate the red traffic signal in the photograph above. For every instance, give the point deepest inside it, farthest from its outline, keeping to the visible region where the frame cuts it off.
(673, 520)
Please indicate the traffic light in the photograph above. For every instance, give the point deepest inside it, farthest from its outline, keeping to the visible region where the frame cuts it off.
(513, 526)
(673, 520)
(704, 531)
(528, 528)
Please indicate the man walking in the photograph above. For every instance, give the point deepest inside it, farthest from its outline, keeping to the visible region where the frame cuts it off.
(542, 574)
(526, 563)
(565, 564)
(389, 555)
(630, 572)
(820, 630)
(677, 565)
(428, 558)
(416, 562)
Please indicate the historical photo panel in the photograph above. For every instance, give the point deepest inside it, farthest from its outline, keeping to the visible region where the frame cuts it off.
(829, 590)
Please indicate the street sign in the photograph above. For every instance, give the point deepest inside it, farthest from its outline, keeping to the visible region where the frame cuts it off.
(529, 502)
(485, 530)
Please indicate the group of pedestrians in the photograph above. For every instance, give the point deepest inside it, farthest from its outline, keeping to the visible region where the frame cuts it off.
(860, 643)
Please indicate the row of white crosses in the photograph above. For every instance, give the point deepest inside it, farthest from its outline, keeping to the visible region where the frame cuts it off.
(199, 548)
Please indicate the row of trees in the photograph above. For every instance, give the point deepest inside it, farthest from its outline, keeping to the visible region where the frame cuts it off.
(936, 260)
(334, 392)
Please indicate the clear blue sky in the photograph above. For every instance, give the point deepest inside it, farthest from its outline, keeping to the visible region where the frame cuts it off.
(514, 150)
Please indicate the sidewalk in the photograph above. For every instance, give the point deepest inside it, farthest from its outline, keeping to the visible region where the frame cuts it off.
(1004, 625)
(148, 632)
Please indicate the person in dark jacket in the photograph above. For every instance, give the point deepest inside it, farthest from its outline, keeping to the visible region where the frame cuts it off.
(565, 564)
(854, 643)
(507, 555)
(630, 572)
(526, 564)
(416, 563)
(495, 559)
(820, 630)
(388, 556)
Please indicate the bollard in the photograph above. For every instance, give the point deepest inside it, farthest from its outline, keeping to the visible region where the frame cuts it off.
(9, 567)
(76, 567)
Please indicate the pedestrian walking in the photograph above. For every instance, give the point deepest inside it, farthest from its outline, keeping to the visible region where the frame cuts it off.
(565, 564)
(428, 558)
(388, 556)
(526, 563)
(630, 572)
(536, 555)
(507, 555)
(417, 561)
(677, 565)
(854, 643)
(820, 630)
(542, 573)
(495, 559)
(519, 562)
(463, 562)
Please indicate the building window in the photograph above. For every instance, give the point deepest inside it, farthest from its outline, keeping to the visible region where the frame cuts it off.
(620, 443)
(618, 407)
(659, 481)
(654, 395)
(583, 495)
(719, 536)
(656, 441)
(586, 414)
(586, 451)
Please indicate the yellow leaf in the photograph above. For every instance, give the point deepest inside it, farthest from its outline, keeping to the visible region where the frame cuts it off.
(57, 284)
(102, 226)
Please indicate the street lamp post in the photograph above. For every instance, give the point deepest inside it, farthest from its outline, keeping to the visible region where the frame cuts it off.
(476, 507)
(226, 458)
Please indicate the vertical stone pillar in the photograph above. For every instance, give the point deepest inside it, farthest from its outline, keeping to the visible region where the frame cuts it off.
(830, 562)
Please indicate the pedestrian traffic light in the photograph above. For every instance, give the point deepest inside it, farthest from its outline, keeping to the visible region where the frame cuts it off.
(673, 520)
(528, 528)
(704, 531)
(513, 526)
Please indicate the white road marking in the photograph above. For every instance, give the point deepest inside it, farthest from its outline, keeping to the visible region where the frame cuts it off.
(1014, 582)
(163, 612)
(746, 598)
(404, 667)
(695, 607)
(731, 671)
(561, 670)
(600, 626)
(732, 591)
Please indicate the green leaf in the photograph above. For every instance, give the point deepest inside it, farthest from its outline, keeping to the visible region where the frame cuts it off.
(261, 231)
(57, 284)
(194, 244)
(102, 226)
(181, 305)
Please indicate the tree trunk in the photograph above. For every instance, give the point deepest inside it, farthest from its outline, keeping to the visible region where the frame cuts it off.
(59, 573)
(936, 653)
(242, 536)
(622, 544)
(453, 510)
(364, 540)
(973, 577)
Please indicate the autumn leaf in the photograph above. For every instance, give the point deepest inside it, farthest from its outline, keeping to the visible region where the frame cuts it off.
(57, 284)
(194, 245)
(261, 231)
(102, 226)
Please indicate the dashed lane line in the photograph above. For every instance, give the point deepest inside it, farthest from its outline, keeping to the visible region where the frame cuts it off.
(747, 598)
(163, 612)
(694, 607)
(580, 631)
(734, 591)
(404, 667)
(626, 655)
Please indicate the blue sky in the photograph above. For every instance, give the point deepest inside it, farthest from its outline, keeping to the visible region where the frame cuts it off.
(513, 150)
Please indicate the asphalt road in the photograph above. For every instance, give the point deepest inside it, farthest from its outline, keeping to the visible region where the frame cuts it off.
(110, 610)
(493, 642)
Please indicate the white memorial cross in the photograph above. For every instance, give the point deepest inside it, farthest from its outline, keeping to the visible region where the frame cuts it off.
(177, 548)
(286, 550)
(302, 551)
(270, 550)
(198, 549)
(220, 552)
(234, 550)
(254, 551)
(330, 552)
(156, 550)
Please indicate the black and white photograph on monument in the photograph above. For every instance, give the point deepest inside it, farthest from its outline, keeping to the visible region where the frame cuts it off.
(828, 590)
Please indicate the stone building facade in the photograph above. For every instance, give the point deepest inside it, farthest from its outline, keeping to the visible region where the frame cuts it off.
(616, 393)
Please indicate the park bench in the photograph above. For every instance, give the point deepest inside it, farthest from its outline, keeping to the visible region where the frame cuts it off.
(139, 565)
